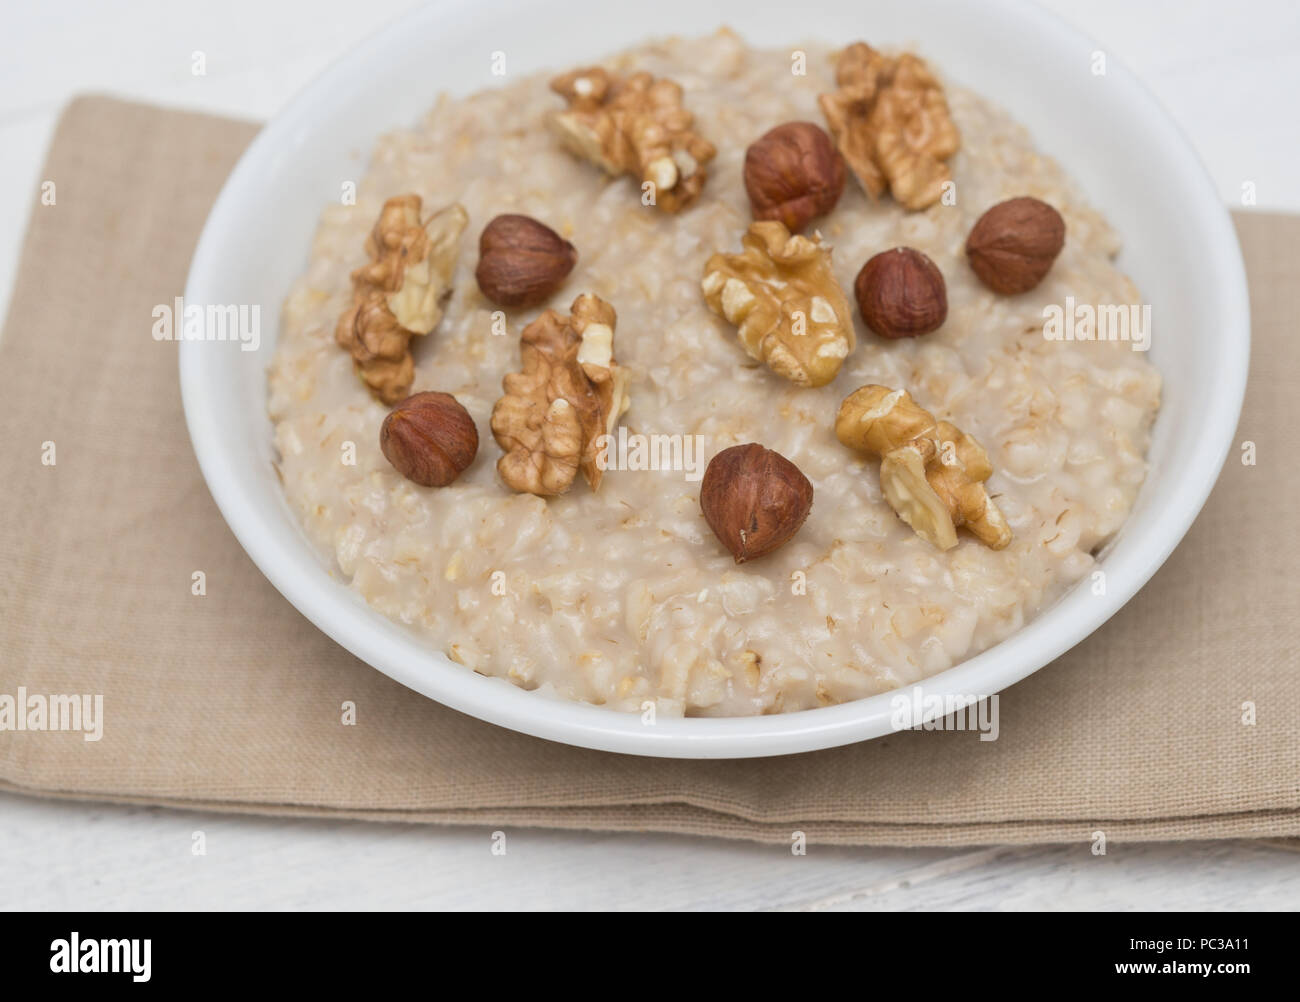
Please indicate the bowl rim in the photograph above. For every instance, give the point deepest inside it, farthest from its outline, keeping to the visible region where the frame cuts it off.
(365, 633)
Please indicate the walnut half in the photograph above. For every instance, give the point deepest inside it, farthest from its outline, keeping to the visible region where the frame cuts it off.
(569, 394)
(400, 293)
(890, 120)
(781, 294)
(634, 126)
(931, 472)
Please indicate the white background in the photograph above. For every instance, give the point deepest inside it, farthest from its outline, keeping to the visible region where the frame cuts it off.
(1229, 74)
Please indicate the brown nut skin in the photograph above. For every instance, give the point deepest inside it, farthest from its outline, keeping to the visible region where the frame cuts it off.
(754, 499)
(1012, 246)
(429, 438)
(901, 293)
(793, 173)
(521, 261)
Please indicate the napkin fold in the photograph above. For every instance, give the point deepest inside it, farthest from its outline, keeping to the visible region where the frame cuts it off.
(1176, 720)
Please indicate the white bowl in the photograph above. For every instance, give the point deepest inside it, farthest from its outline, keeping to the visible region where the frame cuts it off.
(1111, 135)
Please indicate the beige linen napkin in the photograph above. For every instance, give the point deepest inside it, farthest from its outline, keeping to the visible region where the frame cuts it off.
(232, 700)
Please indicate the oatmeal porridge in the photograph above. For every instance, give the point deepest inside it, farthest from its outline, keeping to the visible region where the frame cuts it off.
(604, 582)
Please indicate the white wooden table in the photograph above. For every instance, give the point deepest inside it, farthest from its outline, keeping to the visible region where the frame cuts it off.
(1227, 73)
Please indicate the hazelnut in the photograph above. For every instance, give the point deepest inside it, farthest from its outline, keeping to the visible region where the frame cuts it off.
(754, 499)
(521, 261)
(901, 293)
(1014, 244)
(429, 438)
(793, 173)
